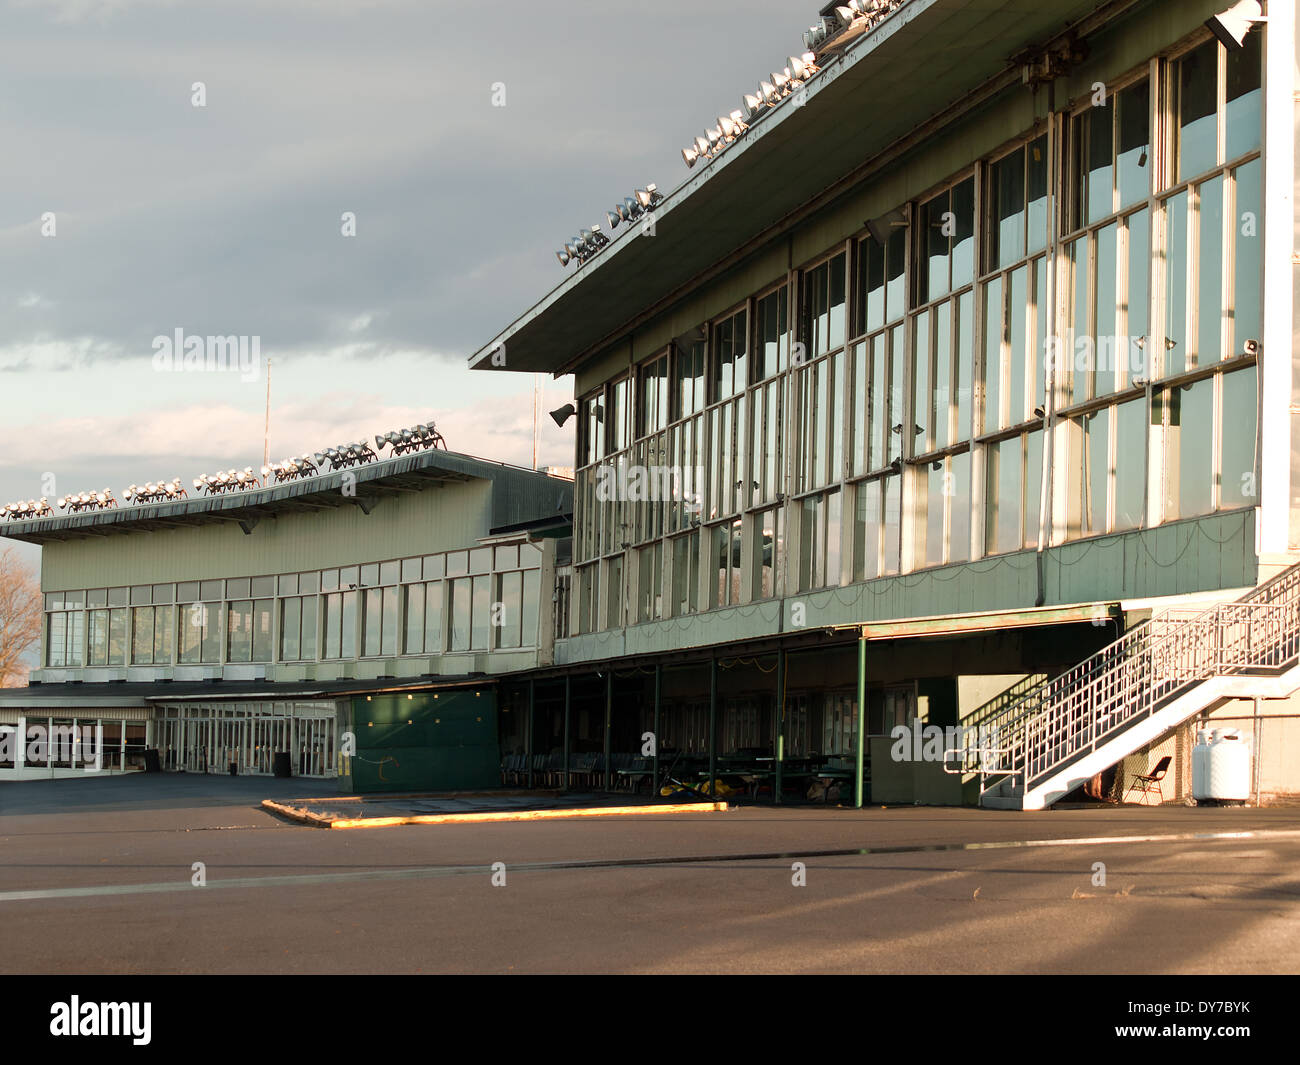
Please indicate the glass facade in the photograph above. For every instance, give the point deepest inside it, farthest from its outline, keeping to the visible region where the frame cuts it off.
(484, 599)
(883, 408)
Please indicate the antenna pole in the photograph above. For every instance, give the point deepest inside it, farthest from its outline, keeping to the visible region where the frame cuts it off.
(266, 433)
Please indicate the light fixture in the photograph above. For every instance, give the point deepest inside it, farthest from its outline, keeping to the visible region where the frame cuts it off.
(1231, 26)
(416, 438)
(88, 501)
(563, 414)
(881, 228)
(28, 508)
(159, 492)
(227, 481)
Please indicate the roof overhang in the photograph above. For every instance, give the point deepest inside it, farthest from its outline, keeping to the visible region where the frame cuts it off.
(926, 63)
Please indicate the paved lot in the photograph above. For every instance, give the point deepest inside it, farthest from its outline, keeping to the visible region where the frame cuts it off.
(96, 878)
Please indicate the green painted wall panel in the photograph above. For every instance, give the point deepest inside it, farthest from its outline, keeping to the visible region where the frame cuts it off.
(425, 742)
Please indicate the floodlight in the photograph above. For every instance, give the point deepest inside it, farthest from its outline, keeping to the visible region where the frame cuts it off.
(1231, 26)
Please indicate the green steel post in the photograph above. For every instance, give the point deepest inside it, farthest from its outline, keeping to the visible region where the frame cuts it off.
(862, 717)
(609, 717)
(780, 723)
(568, 783)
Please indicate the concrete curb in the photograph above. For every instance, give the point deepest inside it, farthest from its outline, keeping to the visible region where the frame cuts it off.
(306, 817)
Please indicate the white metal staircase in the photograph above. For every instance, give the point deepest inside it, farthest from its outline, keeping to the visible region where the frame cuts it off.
(1063, 731)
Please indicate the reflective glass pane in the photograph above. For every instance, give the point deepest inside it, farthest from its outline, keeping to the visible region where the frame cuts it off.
(1033, 486)
(1240, 403)
(965, 332)
(941, 435)
(1078, 356)
(959, 507)
(936, 482)
(1094, 475)
(1197, 122)
(1017, 330)
(1130, 464)
(1008, 235)
(1247, 258)
(1110, 349)
(963, 237)
(1002, 517)
(1242, 118)
(1190, 450)
(1175, 284)
(895, 263)
(890, 503)
(866, 531)
(993, 354)
(1036, 223)
(922, 399)
(1139, 291)
(1209, 259)
(1133, 154)
(1098, 172)
(936, 228)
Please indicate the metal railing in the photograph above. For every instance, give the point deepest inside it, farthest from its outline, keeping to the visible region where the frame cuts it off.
(1066, 717)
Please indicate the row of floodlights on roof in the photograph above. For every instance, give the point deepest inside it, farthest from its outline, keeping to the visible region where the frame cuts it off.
(40, 508)
(589, 241)
(831, 33)
(770, 93)
(400, 441)
(857, 15)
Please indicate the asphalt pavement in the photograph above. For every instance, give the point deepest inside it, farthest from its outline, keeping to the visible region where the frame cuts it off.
(187, 874)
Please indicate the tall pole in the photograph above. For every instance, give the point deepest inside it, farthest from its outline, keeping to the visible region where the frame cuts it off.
(537, 416)
(266, 432)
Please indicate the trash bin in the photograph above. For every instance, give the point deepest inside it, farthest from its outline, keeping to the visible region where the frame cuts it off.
(234, 769)
(281, 765)
(152, 763)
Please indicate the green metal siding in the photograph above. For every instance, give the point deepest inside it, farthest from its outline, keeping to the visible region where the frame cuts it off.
(425, 742)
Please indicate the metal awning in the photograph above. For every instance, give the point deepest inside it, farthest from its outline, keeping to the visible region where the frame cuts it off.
(989, 621)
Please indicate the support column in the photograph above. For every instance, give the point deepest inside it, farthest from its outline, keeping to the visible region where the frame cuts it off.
(609, 719)
(862, 720)
(528, 731)
(713, 723)
(568, 742)
(1278, 325)
(779, 760)
(654, 779)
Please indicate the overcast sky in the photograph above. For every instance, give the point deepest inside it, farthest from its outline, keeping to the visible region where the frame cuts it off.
(227, 219)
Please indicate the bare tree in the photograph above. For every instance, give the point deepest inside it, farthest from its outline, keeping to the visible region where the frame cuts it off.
(20, 617)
